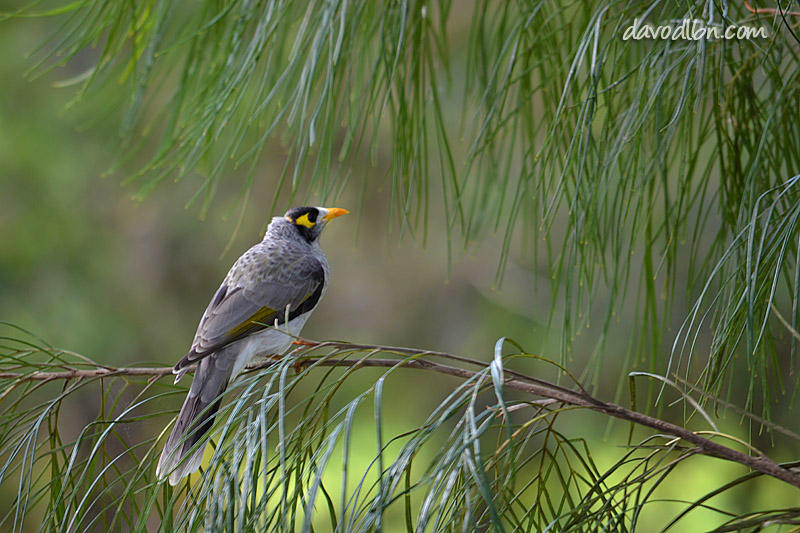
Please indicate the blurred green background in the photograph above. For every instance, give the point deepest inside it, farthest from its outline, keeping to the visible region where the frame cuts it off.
(124, 282)
(89, 268)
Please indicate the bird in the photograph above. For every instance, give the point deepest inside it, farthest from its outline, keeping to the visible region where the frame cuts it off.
(271, 289)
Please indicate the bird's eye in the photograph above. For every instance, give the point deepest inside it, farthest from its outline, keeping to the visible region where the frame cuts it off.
(308, 220)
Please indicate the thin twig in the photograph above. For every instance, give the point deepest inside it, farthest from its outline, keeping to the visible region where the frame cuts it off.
(738, 410)
(705, 446)
(785, 322)
(768, 10)
(513, 381)
(81, 374)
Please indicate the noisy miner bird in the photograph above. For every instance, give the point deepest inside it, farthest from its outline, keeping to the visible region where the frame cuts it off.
(271, 289)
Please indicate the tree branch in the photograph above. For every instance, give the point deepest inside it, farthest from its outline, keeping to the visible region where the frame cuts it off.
(513, 380)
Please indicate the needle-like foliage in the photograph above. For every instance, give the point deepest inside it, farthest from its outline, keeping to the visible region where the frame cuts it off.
(286, 455)
(633, 159)
(656, 178)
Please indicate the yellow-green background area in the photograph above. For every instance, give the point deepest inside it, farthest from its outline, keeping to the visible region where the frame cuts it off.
(89, 269)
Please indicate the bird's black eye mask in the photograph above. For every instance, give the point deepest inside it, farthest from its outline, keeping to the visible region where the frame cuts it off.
(303, 216)
(304, 220)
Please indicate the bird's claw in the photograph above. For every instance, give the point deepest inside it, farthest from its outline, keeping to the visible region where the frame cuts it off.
(301, 342)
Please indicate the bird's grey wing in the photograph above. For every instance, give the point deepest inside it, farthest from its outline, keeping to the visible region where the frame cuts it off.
(243, 306)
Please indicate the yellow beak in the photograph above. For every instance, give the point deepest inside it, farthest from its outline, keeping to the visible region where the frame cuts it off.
(334, 212)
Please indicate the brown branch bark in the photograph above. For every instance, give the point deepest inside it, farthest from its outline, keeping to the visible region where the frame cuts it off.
(514, 380)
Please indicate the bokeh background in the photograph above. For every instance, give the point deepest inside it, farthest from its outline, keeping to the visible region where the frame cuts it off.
(88, 267)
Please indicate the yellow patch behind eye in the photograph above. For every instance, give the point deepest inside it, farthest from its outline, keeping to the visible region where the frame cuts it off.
(304, 221)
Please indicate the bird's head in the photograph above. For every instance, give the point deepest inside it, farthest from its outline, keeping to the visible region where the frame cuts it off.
(310, 221)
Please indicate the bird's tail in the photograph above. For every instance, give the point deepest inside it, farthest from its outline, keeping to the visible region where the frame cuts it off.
(195, 419)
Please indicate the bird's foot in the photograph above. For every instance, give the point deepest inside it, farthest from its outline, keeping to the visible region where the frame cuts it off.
(301, 342)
